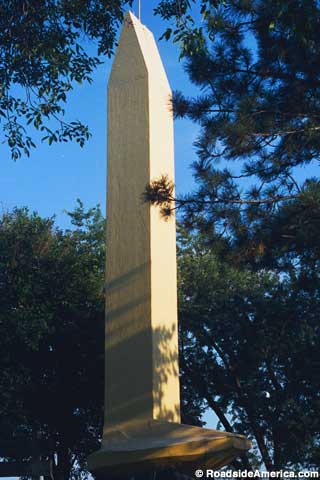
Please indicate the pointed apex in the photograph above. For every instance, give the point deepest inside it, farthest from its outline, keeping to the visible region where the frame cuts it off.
(131, 20)
(131, 16)
(137, 54)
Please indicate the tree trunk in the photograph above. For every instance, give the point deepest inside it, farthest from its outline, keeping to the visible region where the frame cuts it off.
(63, 468)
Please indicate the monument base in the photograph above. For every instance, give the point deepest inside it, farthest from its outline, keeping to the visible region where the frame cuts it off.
(158, 445)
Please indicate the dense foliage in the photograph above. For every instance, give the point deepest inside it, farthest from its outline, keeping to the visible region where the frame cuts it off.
(249, 337)
(42, 54)
(51, 333)
(249, 352)
(256, 65)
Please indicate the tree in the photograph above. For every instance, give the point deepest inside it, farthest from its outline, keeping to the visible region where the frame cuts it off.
(249, 339)
(249, 343)
(51, 333)
(256, 65)
(42, 56)
(250, 288)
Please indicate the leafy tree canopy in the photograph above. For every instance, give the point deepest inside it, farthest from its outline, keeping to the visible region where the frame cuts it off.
(256, 64)
(249, 337)
(42, 55)
(51, 333)
(249, 352)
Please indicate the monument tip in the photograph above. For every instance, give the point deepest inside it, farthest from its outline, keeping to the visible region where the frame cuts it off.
(130, 16)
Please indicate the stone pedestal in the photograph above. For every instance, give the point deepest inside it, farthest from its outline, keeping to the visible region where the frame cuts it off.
(159, 445)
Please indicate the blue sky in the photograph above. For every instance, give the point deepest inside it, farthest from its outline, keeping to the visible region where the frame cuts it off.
(54, 176)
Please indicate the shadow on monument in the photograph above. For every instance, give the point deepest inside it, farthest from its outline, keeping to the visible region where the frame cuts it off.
(141, 358)
(143, 438)
(166, 361)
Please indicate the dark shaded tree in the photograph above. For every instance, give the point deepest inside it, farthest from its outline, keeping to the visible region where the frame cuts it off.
(249, 343)
(249, 337)
(51, 333)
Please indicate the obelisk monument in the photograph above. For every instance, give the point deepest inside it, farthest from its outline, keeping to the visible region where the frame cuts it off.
(142, 407)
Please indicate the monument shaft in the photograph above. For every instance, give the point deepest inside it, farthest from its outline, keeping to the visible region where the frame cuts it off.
(142, 428)
(142, 381)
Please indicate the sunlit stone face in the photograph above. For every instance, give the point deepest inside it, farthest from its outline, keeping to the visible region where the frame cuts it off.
(142, 381)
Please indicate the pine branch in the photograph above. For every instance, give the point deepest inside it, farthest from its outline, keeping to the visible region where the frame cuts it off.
(285, 132)
(234, 201)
